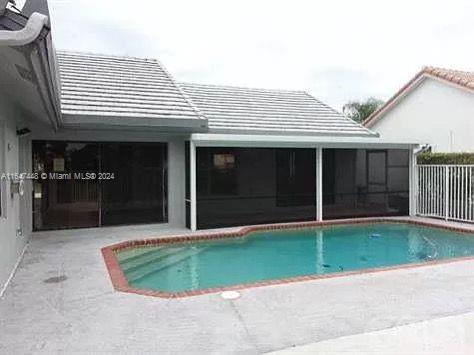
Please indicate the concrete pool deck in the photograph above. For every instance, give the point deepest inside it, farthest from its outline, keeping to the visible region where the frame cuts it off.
(61, 300)
(441, 336)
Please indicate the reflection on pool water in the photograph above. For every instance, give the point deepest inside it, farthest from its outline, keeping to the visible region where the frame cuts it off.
(279, 254)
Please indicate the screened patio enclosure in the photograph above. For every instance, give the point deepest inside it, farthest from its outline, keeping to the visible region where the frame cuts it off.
(254, 185)
(237, 186)
(365, 182)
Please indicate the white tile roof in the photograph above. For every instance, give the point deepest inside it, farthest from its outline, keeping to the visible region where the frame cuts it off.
(102, 85)
(245, 110)
(103, 89)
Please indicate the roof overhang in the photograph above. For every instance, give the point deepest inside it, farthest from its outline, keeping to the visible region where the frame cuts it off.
(289, 132)
(27, 71)
(102, 122)
(242, 140)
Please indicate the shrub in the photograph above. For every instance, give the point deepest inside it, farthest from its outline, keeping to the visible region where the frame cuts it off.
(446, 158)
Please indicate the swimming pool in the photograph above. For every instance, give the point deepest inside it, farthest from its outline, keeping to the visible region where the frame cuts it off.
(272, 256)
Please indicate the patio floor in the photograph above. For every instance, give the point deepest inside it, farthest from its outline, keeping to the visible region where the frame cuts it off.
(453, 335)
(84, 314)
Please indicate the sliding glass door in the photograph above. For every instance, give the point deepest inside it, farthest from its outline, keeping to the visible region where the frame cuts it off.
(59, 200)
(98, 184)
(137, 193)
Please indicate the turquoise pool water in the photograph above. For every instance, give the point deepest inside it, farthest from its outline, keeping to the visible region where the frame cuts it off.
(287, 253)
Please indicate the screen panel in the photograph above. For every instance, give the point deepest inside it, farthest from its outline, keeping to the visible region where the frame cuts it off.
(363, 183)
(241, 186)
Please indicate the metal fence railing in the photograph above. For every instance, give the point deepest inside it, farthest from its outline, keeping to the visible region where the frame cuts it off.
(446, 191)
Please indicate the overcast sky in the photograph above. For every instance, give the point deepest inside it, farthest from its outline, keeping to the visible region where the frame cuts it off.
(337, 50)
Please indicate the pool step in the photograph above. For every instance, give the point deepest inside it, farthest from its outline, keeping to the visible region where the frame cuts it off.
(149, 258)
(137, 253)
(167, 261)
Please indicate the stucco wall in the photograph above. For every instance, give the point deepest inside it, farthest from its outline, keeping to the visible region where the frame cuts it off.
(11, 244)
(436, 113)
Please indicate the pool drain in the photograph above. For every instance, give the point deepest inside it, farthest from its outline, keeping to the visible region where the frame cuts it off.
(230, 295)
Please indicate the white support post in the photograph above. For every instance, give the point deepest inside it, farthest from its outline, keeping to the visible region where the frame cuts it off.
(447, 192)
(192, 181)
(413, 183)
(319, 184)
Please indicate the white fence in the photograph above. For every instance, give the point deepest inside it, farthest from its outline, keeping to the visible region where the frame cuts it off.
(446, 191)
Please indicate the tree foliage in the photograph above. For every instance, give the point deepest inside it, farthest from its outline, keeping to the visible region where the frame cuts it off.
(360, 110)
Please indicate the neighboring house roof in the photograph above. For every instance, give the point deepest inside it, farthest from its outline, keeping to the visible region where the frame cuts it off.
(105, 89)
(245, 110)
(462, 79)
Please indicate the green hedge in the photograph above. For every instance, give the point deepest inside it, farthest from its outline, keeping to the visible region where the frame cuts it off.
(446, 158)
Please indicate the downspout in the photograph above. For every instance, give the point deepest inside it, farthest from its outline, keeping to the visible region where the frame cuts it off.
(39, 61)
(38, 58)
(421, 149)
(3, 6)
(413, 176)
(27, 34)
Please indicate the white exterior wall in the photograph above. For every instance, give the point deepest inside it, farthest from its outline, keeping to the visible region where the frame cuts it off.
(11, 244)
(436, 113)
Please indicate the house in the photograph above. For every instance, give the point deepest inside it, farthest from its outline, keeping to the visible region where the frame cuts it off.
(109, 140)
(436, 107)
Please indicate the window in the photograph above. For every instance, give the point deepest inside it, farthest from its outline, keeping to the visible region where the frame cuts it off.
(224, 161)
(217, 172)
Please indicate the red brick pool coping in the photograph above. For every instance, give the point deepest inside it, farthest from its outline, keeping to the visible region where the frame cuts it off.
(120, 282)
